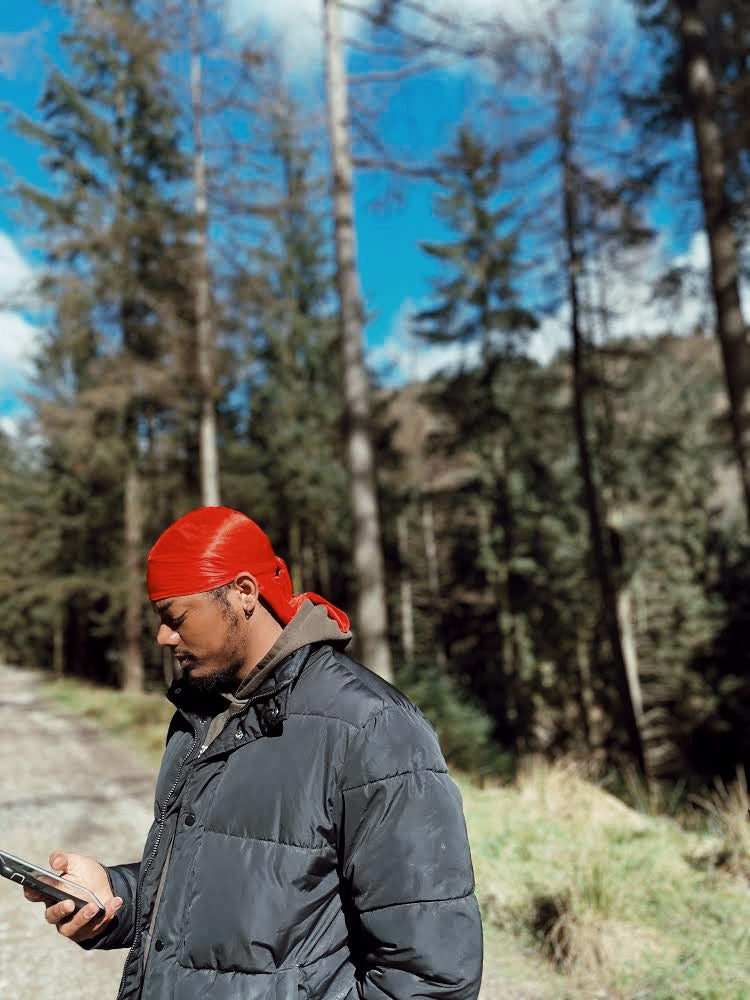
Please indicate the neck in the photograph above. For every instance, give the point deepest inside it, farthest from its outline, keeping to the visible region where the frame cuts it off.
(262, 634)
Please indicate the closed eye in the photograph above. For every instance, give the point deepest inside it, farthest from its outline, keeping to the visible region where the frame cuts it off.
(170, 622)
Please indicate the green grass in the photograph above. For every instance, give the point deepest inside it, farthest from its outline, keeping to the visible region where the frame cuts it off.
(141, 720)
(617, 904)
(582, 897)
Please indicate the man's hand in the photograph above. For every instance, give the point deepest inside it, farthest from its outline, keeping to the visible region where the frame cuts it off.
(89, 873)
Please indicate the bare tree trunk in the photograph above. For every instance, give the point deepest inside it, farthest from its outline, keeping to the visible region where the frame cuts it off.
(58, 641)
(372, 625)
(587, 706)
(630, 652)
(730, 324)
(131, 678)
(592, 499)
(497, 586)
(295, 553)
(407, 589)
(433, 565)
(209, 451)
(431, 549)
(323, 566)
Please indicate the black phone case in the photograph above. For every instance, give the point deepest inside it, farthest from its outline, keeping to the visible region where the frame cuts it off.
(51, 892)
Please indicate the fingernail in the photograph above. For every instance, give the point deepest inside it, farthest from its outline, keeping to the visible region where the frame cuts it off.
(89, 911)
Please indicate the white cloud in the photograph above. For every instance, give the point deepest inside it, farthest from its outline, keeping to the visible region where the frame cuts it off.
(16, 276)
(629, 299)
(404, 357)
(18, 336)
(18, 339)
(298, 24)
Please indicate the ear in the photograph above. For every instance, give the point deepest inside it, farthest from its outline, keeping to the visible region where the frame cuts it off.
(247, 588)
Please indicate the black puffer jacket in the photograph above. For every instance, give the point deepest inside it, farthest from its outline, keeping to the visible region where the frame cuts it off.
(318, 851)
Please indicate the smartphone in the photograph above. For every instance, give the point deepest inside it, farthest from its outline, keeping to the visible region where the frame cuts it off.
(47, 883)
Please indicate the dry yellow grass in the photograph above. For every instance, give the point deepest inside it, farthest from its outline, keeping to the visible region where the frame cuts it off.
(610, 903)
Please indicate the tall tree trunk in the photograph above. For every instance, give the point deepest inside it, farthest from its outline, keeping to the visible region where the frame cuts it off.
(294, 535)
(131, 678)
(587, 705)
(700, 90)
(407, 588)
(372, 624)
(433, 574)
(431, 549)
(592, 499)
(58, 640)
(497, 591)
(630, 653)
(209, 451)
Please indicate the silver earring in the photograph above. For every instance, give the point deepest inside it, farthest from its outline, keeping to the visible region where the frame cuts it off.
(248, 613)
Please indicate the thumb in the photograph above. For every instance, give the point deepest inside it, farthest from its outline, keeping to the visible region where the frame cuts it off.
(59, 861)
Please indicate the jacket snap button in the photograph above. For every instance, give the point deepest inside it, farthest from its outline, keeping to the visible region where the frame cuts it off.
(189, 819)
(159, 944)
(238, 734)
(273, 712)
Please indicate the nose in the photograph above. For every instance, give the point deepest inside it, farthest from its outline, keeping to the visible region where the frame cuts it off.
(167, 636)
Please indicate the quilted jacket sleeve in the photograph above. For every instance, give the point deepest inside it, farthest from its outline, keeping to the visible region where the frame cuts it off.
(119, 933)
(406, 865)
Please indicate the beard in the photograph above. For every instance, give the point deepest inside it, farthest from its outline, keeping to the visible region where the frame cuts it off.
(223, 681)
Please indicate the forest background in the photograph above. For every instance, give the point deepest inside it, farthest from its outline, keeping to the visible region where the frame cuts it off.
(544, 540)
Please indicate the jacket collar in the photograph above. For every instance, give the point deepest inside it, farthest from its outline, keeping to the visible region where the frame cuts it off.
(276, 685)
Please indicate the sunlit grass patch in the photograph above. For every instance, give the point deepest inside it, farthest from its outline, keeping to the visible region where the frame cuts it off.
(611, 899)
(140, 719)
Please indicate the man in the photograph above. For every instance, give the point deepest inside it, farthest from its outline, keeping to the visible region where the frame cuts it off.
(307, 841)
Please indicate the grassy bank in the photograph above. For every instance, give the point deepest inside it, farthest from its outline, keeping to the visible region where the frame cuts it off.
(140, 720)
(582, 897)
(611, 902)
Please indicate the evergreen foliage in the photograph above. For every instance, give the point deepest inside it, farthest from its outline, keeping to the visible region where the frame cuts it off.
(495, 597)
(109, 228)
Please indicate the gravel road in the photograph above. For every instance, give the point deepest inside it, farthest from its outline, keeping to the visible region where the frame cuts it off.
(63, 784)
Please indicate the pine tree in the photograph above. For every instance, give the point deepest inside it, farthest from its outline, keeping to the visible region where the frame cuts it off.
(476, 305)
(114, 247)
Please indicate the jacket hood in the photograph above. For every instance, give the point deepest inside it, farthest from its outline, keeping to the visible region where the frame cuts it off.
(311, 624)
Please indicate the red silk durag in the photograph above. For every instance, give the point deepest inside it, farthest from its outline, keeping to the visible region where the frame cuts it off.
(208, 547)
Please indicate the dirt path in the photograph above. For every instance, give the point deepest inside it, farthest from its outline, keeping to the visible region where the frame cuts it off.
(66, 785)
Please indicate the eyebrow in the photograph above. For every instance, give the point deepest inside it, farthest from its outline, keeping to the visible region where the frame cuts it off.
(162, 608)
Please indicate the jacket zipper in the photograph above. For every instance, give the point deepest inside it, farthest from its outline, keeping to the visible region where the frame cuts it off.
(154, 852)
(141, 879)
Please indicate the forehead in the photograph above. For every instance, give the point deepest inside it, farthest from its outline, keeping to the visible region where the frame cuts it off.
(176, 605)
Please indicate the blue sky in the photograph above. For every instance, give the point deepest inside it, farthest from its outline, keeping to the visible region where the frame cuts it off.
(387, 226)
(394, 271)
